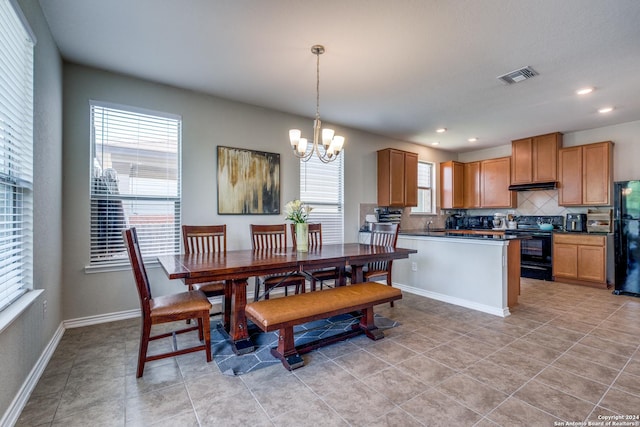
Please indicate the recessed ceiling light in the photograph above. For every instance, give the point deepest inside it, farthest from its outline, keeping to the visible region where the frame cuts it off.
(441, 130)
(472, 139)
(605, 110)
(584, 91)
(435, 143)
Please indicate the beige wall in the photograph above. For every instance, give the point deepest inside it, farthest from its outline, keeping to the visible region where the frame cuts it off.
(207, 122)
(22, 343)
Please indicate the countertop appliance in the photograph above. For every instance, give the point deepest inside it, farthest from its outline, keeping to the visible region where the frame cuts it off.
(499, 221)
(536, 251)
(626, 229)
(576, 223)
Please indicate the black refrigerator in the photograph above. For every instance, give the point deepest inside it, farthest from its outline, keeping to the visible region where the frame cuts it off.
(626, 229)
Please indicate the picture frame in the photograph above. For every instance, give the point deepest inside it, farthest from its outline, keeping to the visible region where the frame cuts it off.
(248, 182)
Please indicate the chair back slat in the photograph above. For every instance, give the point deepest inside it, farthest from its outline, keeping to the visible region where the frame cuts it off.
(268, 236)
(202, 239)
(383, 235)
(315, 235)
(139, 270)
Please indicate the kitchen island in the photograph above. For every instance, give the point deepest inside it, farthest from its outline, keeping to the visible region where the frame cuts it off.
(478, 271)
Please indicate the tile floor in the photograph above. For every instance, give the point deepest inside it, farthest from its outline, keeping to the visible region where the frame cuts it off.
(567, 353)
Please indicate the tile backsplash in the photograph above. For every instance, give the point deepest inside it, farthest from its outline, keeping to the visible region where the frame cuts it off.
(539, 202)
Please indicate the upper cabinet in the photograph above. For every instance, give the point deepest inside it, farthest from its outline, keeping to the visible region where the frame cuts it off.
(472, 185)
(397, 178)
(483, 184)
(495, 176)
(534, 159)
(452, 185)
(585, 175)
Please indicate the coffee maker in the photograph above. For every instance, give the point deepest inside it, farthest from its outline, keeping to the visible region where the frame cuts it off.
(576, 223)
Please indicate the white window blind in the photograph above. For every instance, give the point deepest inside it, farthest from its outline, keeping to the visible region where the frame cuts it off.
(322, 187)
(16, 155)
(425, 189)
(135, 181)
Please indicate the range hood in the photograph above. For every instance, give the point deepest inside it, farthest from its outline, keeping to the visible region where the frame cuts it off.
(552, 185)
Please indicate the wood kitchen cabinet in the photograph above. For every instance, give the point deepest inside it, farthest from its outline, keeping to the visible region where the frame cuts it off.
(472, 185)
(452, 184)
(535, 159)
(397, 178)
(482, 184)
(580, 259)
(495, 177)
(585, 175)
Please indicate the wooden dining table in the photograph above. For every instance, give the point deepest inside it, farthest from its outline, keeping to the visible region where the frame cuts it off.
(235, 267)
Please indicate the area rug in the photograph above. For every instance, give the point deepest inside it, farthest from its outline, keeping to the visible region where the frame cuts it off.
(231, 364)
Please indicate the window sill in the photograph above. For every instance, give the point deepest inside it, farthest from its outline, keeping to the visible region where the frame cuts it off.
(120, 266)
(12, 312)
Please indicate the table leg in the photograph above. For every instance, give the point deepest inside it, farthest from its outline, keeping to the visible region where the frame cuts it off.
(226, 304)
(238, 331)
(356, 274)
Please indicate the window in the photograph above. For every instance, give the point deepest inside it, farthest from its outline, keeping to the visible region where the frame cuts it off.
(135, 181)
(322, 187)
(425, 189)
(16, 155)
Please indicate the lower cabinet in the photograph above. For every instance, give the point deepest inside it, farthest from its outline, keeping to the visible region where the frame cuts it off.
(580, 259)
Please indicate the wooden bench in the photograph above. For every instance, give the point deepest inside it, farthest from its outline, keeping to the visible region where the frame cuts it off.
(283, 314)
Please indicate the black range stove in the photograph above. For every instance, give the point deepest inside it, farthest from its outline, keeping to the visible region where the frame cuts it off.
(536, 251)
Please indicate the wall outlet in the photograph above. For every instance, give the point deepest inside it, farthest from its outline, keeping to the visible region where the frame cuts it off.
(44, 307)
(414, 266)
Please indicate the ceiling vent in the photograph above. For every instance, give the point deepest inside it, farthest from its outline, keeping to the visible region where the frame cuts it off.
(518, 75)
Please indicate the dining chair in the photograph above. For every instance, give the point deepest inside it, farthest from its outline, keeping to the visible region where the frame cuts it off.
(267, 237)
(382, 234)
(315, 241)
(166, 309)
(204, 239)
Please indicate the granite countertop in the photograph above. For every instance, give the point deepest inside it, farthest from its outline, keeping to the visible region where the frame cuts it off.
(587, 233)
(459, 234)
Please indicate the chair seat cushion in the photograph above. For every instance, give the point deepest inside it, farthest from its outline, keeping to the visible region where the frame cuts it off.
(375, 273)
(210, 288)
(330, 273)
(176, 304)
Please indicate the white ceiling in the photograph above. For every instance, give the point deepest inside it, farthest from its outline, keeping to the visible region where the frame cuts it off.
(398, 68)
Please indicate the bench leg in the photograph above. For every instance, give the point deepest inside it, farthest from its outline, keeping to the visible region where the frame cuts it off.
(368, 325)
(286, 350)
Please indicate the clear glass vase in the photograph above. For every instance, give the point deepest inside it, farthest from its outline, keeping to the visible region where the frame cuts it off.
(302, 237)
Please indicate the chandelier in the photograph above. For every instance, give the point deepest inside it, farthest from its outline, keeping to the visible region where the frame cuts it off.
(326, 144)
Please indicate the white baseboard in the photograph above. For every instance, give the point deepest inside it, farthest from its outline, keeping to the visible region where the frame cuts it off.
(15, 409)
(453, 300)
(101, 318)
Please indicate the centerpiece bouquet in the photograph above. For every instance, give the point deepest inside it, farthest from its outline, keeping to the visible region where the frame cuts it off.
(298, 213)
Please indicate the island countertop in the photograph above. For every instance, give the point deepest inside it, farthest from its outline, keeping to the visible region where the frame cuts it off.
(462, 234)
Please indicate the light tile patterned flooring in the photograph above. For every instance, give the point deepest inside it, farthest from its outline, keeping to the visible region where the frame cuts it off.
(567, 353)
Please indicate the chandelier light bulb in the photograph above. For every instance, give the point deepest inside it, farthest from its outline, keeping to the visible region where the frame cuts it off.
(302, 146)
